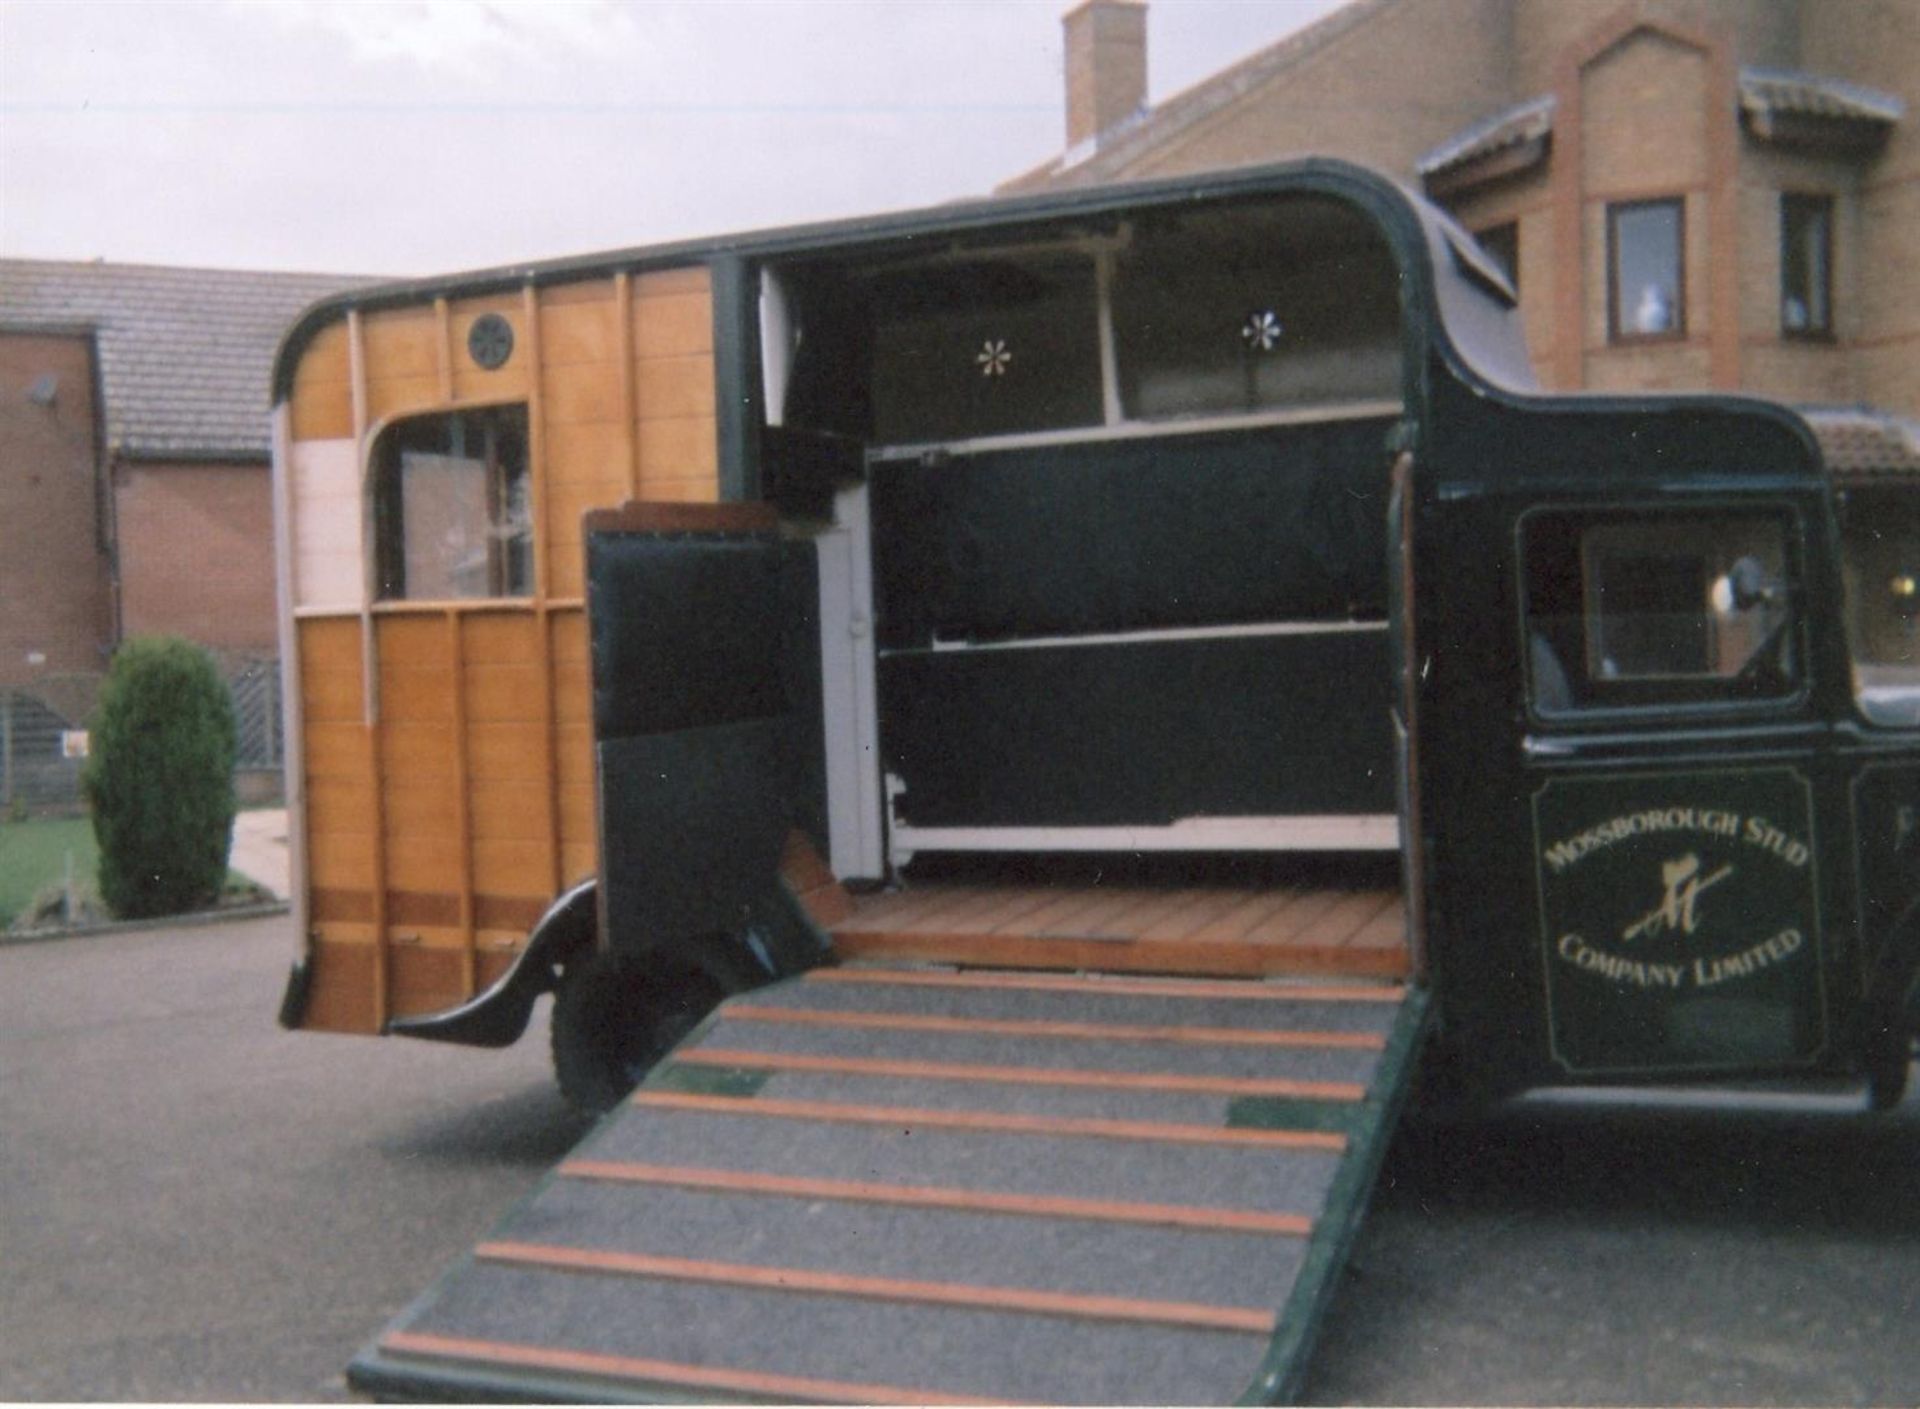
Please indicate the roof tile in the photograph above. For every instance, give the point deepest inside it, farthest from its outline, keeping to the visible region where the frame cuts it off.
(185, 354)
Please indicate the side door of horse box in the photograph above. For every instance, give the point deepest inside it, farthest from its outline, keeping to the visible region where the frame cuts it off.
(1646, 800)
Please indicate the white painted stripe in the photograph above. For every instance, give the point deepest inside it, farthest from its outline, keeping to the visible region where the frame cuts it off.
(1171, 633)
(1307, 832)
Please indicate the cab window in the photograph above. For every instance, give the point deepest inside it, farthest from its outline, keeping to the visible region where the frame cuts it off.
(450, 506)
(1670, 609)
(1880, 546)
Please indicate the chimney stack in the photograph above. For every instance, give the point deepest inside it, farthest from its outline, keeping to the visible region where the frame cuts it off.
(1106, 66)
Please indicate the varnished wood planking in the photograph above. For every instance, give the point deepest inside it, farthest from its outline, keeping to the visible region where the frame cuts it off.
(1273, 1086)
(1199, 1217)
(424, 978)
(1236, 959)
(777, 1389)
(579, 325)
(1037, 1029)
(584, 394)
(1242, 918)
(812, 882)
(1208, 931)
(323, 361)
(1346, 918)
(421, 811)
(341, 804)
(416, 753)
(502, 638)
(512, 752)
(501, 694)
(403, 343)
(675, 387)
(474, 383)
(806, 1281)
(337, 751)
(676, 448)
(584, 452)
(341, 988)
(569, 644)
(513, 716)
(423, 863)
(413, 641)
(506, 810)
(994, 1122)
(411, 694)
(515, 867)
(391, 398)
(340, 860)
(330, 667)
(322, 410)
(1141, 987)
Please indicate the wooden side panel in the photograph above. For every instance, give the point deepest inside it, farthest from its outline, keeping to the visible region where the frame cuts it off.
(322, 400)
(573, 747)
(339, 827)
(451, 797)
(585, 440)
(676, 429)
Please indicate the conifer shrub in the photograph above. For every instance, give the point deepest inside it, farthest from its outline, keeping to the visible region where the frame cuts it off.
(159, 779)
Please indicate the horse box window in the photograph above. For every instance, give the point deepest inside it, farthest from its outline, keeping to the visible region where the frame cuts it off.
(451, 516)
(1685, 608)
(977, 347)
(1247, 309)
(1255, 308)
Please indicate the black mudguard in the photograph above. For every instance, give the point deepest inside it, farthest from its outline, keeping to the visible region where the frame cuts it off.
(498, 1017)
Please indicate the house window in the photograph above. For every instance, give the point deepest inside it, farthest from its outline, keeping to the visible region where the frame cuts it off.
(1646, 270)
(1502, 244)
(451, 516)
(1806, 266)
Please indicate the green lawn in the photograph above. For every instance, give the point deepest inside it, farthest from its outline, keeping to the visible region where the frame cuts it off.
(33, 856)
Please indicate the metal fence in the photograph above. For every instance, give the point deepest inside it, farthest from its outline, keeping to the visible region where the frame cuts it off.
(43, 728)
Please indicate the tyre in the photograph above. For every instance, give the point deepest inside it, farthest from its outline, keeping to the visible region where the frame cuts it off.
(615, 1017)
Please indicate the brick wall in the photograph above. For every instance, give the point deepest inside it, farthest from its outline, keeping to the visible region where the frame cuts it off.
(1647, 109)
(196, 552)
(54, 599)
(1877, 42)
(1381, 94)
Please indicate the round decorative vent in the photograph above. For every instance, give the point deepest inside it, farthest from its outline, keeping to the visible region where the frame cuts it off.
(490, 341)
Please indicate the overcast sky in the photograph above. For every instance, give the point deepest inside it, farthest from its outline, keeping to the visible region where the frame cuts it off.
(419, 136)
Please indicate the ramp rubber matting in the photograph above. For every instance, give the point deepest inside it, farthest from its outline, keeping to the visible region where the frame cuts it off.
(939, 1186)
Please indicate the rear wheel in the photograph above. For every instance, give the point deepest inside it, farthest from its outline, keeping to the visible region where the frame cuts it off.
(615, 1017)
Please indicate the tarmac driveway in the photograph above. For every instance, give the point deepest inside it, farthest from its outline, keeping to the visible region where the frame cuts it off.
(197, 1205)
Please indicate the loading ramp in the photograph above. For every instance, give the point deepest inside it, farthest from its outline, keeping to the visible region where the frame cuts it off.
(905, 1179)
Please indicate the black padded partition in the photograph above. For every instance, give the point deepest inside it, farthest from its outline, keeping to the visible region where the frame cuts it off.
(1120, 535)
(1141, 734)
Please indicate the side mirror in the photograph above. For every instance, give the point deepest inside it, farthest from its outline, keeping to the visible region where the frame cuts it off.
(1903, 588)
(1743, 587)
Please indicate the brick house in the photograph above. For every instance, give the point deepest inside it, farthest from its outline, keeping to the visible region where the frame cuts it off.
(134, 494)
(1690, 194)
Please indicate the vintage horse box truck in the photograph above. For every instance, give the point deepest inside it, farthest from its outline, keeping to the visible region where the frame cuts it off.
(1020, 726)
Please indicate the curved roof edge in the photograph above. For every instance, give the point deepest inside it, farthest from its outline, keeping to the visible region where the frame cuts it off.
(1438, 230)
